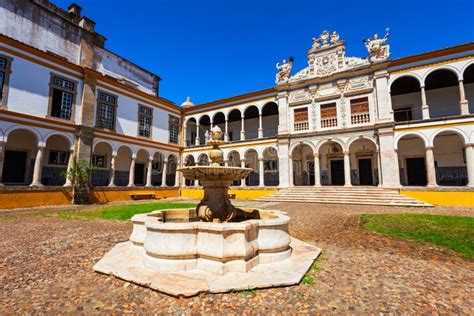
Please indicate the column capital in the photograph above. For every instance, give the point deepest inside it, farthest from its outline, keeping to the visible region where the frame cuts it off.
(134, 156)
(261, 159)
(469, 145)
(346, 153)
(316, 155)
(150, 159)
(429, 147)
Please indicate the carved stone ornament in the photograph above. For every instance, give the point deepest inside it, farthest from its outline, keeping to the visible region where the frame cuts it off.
(299, 95)
(283, 71)
(326, 57)
(358, 83)
(377, 47)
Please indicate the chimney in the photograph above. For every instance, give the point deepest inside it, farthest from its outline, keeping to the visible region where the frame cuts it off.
(87, 24)
(74, 10)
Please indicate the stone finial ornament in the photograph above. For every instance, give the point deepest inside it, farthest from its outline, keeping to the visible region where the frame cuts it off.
(377, 47)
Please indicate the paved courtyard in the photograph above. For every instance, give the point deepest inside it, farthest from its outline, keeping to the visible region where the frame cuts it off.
(46, 266)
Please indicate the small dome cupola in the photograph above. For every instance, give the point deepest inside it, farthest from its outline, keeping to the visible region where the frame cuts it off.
(187, 103)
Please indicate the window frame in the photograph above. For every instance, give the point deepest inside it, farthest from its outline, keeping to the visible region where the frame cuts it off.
(52, 87)
(97, 109)
(139, 114)
(170, 117)
(99, 155)
(6, 80)
(50, 151)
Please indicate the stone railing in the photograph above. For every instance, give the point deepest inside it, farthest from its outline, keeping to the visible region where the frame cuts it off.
(360, 118)
(301, 126)
(329, 122)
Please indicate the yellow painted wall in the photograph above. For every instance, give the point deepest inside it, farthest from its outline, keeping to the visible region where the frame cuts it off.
(447, 198)
(43, 198)
(240, 194)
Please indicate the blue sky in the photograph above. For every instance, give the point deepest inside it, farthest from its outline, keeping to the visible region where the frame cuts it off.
(212, 49)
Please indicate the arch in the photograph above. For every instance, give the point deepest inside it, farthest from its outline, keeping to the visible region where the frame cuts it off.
(189, 160)
(125, 146)
(303, 142)
(30, 129)
(236, 110)
(329, 140)
(98, 141)
(415, 134)
(204, 117)
(65, 136)
(216, 114)
(249, 107)
(465, 67)
(361, 137)
(443, 67)
(144, 151)
(271, 174)
(171, 170)
(459, 132)
(448, 153)
(252, 161)
(404, 75)
(302, 159)
(232, 152)
(203, 159)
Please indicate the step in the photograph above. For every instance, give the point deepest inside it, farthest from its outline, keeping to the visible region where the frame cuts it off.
(381, 203)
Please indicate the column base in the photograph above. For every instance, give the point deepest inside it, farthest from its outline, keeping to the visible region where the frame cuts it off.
(36, 185)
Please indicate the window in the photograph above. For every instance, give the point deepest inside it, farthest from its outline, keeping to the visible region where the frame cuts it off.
(301, 119)
(145, 119)
(106, 106)
(403, 114)
(62, 98)
(98, 161)
(58, 157)
(360, 111)
(5, 64)
(173, 126)
(328, 115)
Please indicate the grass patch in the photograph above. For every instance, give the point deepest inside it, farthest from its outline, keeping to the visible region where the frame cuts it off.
(308, 280)
(452, 232)
(247, 293)
(121, 212)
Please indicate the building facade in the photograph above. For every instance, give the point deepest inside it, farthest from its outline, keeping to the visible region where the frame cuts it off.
(351, 121)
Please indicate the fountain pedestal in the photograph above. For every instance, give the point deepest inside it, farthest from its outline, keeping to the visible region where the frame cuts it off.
(213, 248)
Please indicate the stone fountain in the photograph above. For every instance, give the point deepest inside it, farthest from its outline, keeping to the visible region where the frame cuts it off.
(215, 247)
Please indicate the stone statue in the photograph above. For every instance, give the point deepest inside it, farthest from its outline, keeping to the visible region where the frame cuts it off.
(334, 38)
(377, 47)
(284, 70)
(206, 136)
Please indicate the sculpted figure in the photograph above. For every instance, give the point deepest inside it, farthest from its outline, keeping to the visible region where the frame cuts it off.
(283, 71)
(377, 47)
(334, 37)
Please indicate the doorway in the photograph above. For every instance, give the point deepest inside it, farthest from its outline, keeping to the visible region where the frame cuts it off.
(365, 172)
(416, 171)
(14, 167)
(139, 174)
(337, 172)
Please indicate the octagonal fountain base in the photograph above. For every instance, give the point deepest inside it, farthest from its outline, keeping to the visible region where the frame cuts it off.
(172, 252)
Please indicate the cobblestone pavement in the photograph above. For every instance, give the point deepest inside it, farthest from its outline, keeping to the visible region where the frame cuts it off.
(46, 266)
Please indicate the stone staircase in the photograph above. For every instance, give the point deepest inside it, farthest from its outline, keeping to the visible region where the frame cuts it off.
(343, 195)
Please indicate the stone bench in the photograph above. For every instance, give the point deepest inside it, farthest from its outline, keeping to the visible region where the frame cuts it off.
(142, 196)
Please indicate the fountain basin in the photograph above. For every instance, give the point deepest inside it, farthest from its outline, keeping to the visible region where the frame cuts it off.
(173, 241)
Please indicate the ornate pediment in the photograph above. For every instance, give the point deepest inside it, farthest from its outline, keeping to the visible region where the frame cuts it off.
(299, 96)
(327, 56)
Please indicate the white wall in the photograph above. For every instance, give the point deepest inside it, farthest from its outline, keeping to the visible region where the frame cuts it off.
(29, 88)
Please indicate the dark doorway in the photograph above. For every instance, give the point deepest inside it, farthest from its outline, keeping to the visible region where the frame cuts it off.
(139, 174)
(337, 172)
(416, 171)
(14, 166)
(365, 172)
(311, 172)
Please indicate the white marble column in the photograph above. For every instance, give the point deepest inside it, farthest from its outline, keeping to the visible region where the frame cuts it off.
(112, 170)
(185, 129)
(290, 170)
(2, 159)
(317, 171)
(149, 172)
(463, 103)
(430, 167)
(131, 174)
(379, 167)
(176, 177)
(226, 132)
(260, 126)
(69, 165)
(242, 128)
(242, 165)
(196, 183)
(347, 169)
(226, 163)
(38, 168)
(163, 175)
(470, 164)
(261, 173)
(197, 141)
(425, 110)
